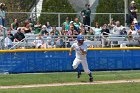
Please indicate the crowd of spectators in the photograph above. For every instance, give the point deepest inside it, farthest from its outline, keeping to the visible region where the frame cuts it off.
(50, 36)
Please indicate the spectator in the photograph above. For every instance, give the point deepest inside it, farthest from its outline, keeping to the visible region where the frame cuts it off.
(31, 22)
(27, 28)
(117, 29)
(123, 32)
(39, 42)
(131, 32)
(14, 25)
(48, 27)
(56, 32)
(66, 24)
(8, 41)
(105, 32)
(37, 28)
(133, 11)
(111, 25)
(97, 31)
(63, 30)
(1, 30)
(10, 35)
(60, 42)
(19, 36)
(82, 29)
(43, 30)
(86, 15)
(136, 25)
(77, 24)
(71, 33)
(82, 32)
(90, 34)
(51, 41)
(2, 14)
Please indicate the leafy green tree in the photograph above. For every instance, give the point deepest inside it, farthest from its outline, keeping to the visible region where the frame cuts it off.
(17, 6)
(109, 6)
(56, 6)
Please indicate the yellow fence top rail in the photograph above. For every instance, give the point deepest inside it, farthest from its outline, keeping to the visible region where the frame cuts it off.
(65, 49)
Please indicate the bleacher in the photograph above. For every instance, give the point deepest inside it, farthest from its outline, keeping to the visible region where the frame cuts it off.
(114, 41)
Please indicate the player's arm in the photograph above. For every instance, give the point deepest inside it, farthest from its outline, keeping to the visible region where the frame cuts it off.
(83, 51)
(70, 52)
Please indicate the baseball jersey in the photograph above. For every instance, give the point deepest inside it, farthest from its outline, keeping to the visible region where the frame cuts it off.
(79, 54)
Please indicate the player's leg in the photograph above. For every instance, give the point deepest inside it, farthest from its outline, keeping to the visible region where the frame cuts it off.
(75, 64)
(86, 69)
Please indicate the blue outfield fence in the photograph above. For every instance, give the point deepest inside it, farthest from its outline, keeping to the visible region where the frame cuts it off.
(50, 60)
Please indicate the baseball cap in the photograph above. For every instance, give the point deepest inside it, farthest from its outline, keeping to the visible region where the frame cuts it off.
(71, 22)
(80, 37)
(43, 26)
(132, 2)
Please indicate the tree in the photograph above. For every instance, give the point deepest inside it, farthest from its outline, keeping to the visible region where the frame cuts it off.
(17, 6)
(109, 6)
(56, 6)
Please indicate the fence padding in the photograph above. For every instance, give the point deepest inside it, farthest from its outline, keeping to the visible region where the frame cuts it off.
(41, 61)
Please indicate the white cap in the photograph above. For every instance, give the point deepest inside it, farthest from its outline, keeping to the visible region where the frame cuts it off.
(19, 28)
(71, 22)
(0, 4)
(1, 26)
(132, 2)
(43, 26)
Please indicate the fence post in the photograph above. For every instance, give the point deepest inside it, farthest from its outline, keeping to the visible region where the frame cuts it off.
(125, 10)
(4, 36)
(58, 19)
(110, 17)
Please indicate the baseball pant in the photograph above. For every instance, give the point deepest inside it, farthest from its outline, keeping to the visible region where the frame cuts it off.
(76, 62)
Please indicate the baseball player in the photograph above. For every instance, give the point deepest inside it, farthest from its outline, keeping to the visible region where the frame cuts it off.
(81, 50)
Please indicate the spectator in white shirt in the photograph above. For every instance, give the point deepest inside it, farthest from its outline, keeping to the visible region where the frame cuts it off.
(39, 42)
(117, 28)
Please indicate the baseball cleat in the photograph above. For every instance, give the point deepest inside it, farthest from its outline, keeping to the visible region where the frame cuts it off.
(91, 79)
(79, 74)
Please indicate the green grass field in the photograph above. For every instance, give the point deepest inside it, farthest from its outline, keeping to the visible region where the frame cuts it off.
(108, 88)
(64, 77)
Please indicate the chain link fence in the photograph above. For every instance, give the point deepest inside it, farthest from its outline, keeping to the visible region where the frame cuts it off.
(58, 18)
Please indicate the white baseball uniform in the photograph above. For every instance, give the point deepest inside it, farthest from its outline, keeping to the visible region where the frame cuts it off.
(80, 58)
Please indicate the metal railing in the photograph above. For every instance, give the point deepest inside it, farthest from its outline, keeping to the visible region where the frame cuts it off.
(91, 40)
(61, 16)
